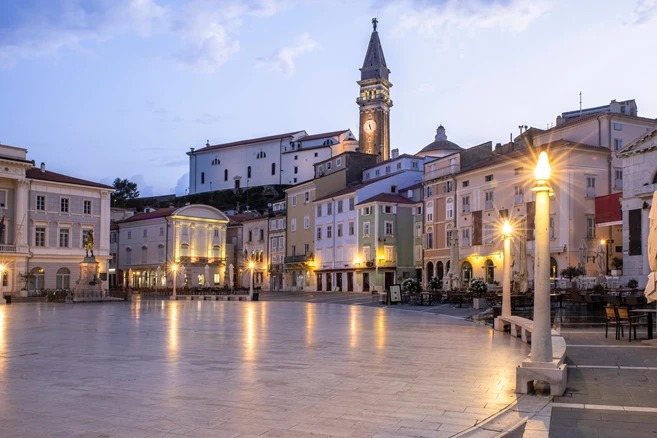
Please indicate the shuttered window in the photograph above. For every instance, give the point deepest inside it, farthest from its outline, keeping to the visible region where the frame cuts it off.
(476, 228)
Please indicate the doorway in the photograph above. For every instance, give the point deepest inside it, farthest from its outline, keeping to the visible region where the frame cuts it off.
(338, 281)
(319, 282)
(389, 280)
(366, 281)
(329, 286)
(350, 281)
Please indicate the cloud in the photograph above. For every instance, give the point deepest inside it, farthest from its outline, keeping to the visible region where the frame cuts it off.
(439, 19)
(145, 190)
(644, 12)
(182, 185)
(207, 119)
(205, 29)
(282, 60)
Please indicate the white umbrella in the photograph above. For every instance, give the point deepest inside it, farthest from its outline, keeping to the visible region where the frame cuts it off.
(231, 273)
(651, 287)
(601, 259)
(583, 249)
(225, 275)
(206, 275)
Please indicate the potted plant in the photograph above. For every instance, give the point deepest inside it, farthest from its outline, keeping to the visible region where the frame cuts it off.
(598, 288)
(25, 277)
(478, 288)
(435, 283)
(571, 272)
(633, 284)
(411, 285)
(617, 263)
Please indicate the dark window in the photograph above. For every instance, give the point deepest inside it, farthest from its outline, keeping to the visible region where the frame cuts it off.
(226, 175)
(635, 232)
(248, 172)
(202, 177)
(273, 168)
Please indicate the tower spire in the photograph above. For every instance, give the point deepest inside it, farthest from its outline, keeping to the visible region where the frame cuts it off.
(374, 65)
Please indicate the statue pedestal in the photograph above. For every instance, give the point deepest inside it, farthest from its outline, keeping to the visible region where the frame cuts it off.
(89, 287)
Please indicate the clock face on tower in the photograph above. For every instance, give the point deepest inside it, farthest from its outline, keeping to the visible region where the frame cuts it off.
(369, 126)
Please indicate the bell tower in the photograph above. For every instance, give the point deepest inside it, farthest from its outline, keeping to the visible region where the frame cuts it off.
(374, 101)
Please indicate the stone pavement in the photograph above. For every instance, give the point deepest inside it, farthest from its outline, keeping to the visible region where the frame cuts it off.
(279, 368)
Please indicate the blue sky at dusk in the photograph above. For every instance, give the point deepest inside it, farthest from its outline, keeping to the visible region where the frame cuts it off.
(100, 89)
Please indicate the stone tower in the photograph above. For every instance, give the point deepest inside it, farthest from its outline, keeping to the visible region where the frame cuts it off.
(374, 101)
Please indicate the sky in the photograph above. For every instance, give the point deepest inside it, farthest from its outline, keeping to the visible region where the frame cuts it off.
(100, 89)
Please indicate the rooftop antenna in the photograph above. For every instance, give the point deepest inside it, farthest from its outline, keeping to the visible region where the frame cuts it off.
(580, 103)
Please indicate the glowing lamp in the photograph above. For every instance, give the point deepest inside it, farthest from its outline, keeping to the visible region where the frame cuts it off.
(603, 241)
(542, 171)
(174, 267)
(251, 265)
(506, 228)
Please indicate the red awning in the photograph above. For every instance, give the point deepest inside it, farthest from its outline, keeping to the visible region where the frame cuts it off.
(608, 210)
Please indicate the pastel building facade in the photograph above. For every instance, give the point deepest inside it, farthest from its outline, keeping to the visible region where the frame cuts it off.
(277, 246)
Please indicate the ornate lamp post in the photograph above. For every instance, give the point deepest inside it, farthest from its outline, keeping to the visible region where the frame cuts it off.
(506, 278)
(174, 268)
(541, 334)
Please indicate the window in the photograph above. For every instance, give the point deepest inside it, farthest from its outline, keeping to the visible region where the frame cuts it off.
(366, 229)
(273, 168)
(377, 172)
(160, 253)
(488, 234)
(318, 236)
(340, 204)
(489, 200)
(320, 170)
(316, 155)
(293, 225)
(261, 154)
(64, 238)
(618, 144)
(329, 208)
(367, 176)
(250, 236)
(184, 250)
(465, 237)
(40, 236)
(389, 253)
(162, 232)
(306, 197)
(619, 178)
(129, 235)
(338, 162)
(339, 230)
(414, 165)
(226, 175)
(428, 241)
(430, 212)
(618, 126)
(447, 186)
(202, 177)
(329, 231)
(448, 239)
(590, 227)
(352, 228)
(329, 165)
(418, 253)
(319, 210)
(449, 209)
(306, 248)
(352, 204)
(488, 178)
(128, 256)
(552, 235)
(388, 169)
(145, 232)
(41, 203)
(306, 222)
(465, 184)
(429, 191)
(262, 234)
(63, 205)
(294, 201)
(281, 225)
(63, 278)
(465, 203)
(295, 180)
(248, 172)
(216, 162)
(389, 228)
(418, 229)
(393, 189)
(590, 187)
(365, 211)
(294, 252)
(144, 254)
(367, 253)
(399, 166)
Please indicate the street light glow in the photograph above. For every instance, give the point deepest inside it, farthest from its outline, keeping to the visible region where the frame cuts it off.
(602, 241)
(251, 265)
(506, 228)
(174, 267)
(542, 171)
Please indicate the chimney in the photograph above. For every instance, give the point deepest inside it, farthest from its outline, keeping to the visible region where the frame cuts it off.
(395, 153)
(43, 167)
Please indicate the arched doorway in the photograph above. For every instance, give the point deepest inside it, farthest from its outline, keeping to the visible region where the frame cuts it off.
(439, 270)
(37, 282)
(553, 268)
(490, 271)
(63, 278)
(466, 271)
(429, 271)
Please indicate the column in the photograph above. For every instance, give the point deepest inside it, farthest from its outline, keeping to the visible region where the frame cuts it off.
(20, 219)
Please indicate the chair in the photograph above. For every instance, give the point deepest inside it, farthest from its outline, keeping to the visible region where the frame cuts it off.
(576, 298)
(611, 320)
(611, 300)
(631, 301)
(627, 320)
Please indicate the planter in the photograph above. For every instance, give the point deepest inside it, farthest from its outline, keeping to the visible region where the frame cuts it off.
(616, 273)
(479, 303)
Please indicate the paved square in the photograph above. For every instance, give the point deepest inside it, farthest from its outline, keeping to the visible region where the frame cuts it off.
(225, 369)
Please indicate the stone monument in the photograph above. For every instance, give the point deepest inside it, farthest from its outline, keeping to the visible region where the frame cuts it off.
(89, 286)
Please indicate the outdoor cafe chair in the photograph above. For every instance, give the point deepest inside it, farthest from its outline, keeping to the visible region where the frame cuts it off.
(611, 319)
(627, 320)
(611, 300)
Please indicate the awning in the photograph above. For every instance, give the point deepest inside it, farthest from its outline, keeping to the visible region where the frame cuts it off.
(608, 210)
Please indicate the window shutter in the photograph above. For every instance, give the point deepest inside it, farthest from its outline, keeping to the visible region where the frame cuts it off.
(476, 228)
(635, 232)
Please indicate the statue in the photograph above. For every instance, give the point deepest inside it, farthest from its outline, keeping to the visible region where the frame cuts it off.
(89, 243)
(374, 23)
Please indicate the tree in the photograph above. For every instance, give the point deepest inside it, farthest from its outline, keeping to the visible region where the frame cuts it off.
(124, 190)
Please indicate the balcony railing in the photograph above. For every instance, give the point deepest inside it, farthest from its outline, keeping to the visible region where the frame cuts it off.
(443, 171)
(590, 192)
(7, 248)
(297, 259)
(465, 243)
(466, 208)
(619, 184)
(489, 205)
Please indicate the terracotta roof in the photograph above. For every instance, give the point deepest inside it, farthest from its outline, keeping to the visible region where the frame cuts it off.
(114, 226)
(245, 142)
(324, 135)
(389, 197)
(358, 186)
(414, 186)
(394, 159)
(236, 219)
(162, 212)
(35, 173)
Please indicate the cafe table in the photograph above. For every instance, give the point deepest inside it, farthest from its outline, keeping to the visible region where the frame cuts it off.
(650, 313)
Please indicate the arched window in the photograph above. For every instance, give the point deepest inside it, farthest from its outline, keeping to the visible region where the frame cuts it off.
(430, 212)
(328, 142)
(429, 271)
(202, 177)
(184, 250)
(553, 268)
(466, 271)
(439, 270)
(449, 209)
(273, 168)
(428, 244)
(226, 175)
(248, 172)
(490, 271)
(216, 162)
(37, 282)
(216, 251)
(63, 278)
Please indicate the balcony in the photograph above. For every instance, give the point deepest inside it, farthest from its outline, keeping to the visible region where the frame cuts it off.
(489, 205)
(297, 258)
(466, 208)
(278, 267)
(7, 248)
(277, 213)
(465, 243)
(443, 171)
(518, 199)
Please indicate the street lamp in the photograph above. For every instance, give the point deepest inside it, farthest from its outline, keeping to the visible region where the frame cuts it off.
(174, 268)
(506, 278)
(541, 334)
(251, 266)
